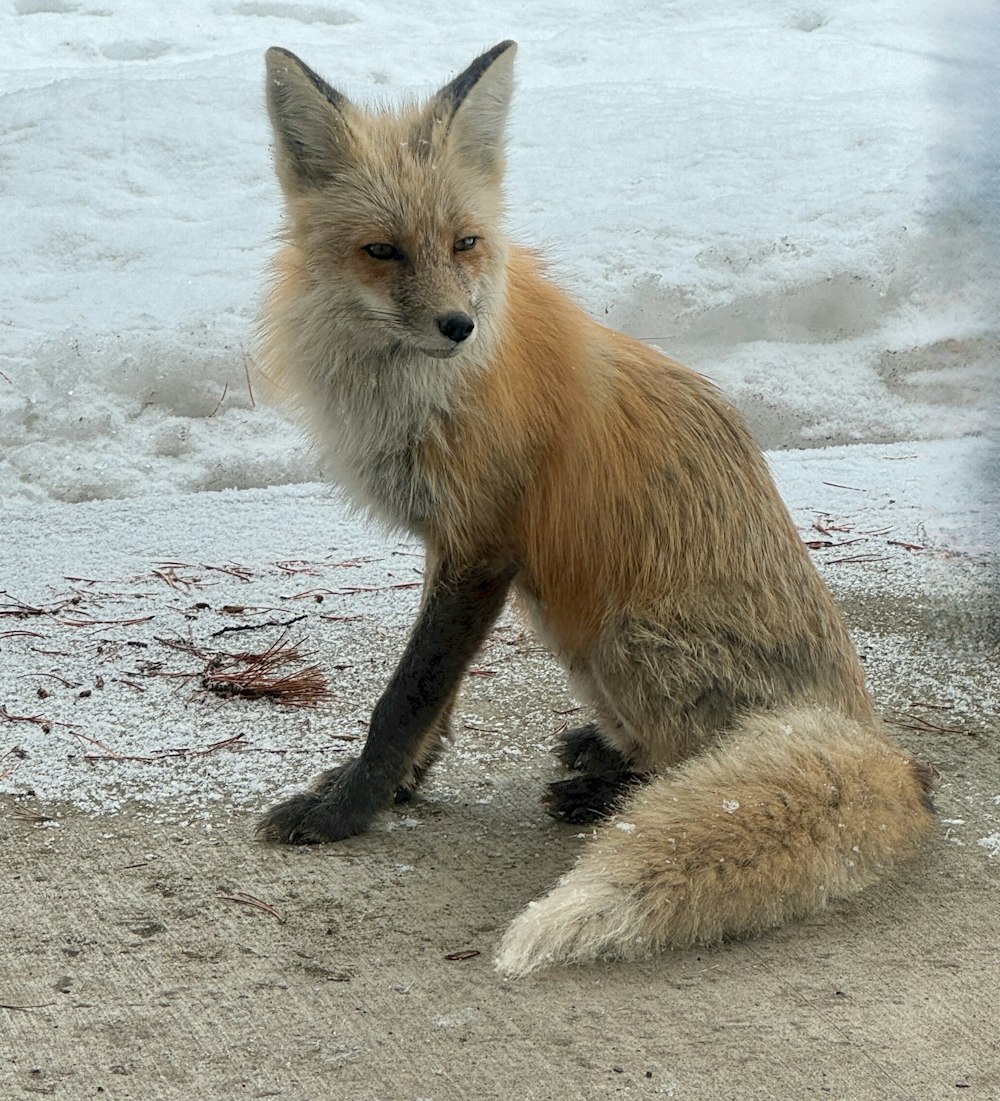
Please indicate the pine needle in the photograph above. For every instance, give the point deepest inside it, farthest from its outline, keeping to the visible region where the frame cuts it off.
(260, 675)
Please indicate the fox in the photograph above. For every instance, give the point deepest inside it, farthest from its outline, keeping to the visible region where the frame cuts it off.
(735, 771)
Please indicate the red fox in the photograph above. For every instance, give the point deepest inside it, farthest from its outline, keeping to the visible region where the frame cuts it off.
(735, 755)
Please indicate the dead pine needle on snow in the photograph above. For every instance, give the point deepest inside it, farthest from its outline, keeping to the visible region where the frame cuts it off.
(31, 815)
(258, 675)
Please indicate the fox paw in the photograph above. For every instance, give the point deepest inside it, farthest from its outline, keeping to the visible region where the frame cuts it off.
(342, 805)
(582, 749)
(588, 798)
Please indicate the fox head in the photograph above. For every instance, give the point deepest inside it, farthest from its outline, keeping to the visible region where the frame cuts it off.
(397, 215)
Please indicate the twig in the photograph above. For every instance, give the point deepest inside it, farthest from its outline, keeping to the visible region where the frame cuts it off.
(19, 1008)
(258, 626)
(257, 903)
(104, 622)
(14, 751)
(215, 746)
(234, 569)
(225, 390)
(825, 529)
(917, 722)
(29, 814)
(109, 752)
(856, 558)
(185, 646)
(163, 754)
(21, 610)
(167, 571)
(38, 720)
(305, 748)
(297, 565)
(246, 372)
(316, 594)
(130, 683)
(54, 676)
(822, 544)
(353, 590)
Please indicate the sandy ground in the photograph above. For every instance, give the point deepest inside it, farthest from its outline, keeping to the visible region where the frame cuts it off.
(138, 962)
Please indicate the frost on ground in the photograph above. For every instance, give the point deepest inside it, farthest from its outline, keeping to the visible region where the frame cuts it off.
(991, 844)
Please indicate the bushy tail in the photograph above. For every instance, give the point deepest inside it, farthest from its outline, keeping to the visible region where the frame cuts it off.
(793, 809)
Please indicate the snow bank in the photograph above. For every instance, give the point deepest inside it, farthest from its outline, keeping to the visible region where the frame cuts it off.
(768, 191)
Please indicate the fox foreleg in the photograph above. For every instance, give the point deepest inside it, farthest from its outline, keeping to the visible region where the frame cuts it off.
(459, 608)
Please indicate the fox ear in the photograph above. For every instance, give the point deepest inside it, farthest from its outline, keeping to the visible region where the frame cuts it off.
(476, 103)
(310, 128)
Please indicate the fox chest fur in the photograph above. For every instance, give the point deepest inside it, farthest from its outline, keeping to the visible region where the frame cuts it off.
(373, 412)
(377, 425)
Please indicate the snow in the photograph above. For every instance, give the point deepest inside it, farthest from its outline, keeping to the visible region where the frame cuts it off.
(798, 199)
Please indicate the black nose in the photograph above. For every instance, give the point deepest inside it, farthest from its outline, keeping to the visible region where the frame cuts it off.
(456, 326)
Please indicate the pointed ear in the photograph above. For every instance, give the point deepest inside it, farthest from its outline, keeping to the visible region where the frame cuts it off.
(311, 133)
(476, 103)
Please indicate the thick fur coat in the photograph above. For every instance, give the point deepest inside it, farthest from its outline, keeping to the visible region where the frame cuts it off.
(735, 755)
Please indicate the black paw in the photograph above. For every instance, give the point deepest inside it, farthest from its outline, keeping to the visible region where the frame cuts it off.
(582, 749)
(588, 798)
(342, 805)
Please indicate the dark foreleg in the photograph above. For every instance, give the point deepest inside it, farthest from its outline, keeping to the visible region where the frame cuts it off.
(458, 610)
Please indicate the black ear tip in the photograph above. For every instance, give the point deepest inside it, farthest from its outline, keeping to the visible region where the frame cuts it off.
(507, 46)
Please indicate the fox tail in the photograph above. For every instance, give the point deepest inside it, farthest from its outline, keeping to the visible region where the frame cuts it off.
(793, 809)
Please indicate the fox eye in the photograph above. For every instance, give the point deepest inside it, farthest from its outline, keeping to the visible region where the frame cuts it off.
(380, 250)
(463, 244)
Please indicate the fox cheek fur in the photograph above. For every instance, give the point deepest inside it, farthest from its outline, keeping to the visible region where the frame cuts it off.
(460, 395)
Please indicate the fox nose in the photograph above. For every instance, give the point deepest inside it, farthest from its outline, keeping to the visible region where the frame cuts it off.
(456, 326)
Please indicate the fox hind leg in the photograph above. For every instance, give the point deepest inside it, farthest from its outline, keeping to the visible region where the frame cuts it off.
(606, 776)
(585, 749)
